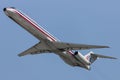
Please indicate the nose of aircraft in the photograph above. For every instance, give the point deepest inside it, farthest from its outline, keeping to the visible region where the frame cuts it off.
(4, 9)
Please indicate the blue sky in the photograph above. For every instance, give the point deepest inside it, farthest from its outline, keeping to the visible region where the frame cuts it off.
(88, 21)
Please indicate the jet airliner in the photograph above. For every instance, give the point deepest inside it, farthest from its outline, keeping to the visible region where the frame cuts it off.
(49, 44)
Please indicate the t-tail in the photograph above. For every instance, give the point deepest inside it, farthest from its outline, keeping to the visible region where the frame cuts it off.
(91, 57)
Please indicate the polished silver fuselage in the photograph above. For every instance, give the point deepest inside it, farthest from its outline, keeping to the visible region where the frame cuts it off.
(48, 41)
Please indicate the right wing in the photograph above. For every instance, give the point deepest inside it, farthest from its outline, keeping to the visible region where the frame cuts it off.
(36, 49)
(71, 46)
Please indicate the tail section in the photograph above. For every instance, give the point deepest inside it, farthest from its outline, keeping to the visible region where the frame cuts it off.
(91, 57)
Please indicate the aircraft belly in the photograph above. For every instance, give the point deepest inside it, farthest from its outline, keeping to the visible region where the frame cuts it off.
(71, 60)
(66, 58)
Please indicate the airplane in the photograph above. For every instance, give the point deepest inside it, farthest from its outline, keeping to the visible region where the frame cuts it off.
(49, 44)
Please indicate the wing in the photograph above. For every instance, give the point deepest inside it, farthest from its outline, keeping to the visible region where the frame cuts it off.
(36, 49)
(72, 46)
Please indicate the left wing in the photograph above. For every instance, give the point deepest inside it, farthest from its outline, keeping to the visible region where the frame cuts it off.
(72, 46)
(36, 49)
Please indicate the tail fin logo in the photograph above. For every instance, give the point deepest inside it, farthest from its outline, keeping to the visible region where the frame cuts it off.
(88, 57)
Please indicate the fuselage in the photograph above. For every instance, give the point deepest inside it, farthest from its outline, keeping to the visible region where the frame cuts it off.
(32, 27)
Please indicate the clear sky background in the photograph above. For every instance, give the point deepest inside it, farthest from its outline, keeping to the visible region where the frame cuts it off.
(77, 21)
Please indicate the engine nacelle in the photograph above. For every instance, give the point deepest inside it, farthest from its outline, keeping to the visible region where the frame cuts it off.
(81, 58)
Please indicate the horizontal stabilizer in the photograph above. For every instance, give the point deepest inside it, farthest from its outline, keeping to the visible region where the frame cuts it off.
(102, 56)
(91, 56)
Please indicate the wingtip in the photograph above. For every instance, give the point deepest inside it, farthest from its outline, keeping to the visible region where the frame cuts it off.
(114, 58)
(107, 46)
(19, 55)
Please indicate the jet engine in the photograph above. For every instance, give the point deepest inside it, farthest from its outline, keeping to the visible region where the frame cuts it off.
(81, 58)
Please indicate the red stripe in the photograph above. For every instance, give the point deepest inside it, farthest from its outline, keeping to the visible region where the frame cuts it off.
(70, 52)
(35, 26)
